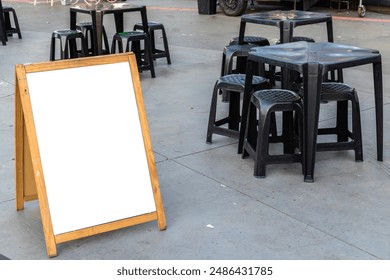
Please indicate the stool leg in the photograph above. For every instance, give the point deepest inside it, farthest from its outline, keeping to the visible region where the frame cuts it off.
(135, 48)
(52, 49)
(262, 143)
(105, 40)
(342, 121)
(212, 115)
(226, 69)
(356, 128)
(273, 127)
(7, 21)
(250, 131)
(149, 57)
(152, 41)
(299, 117)
(288, 132)
(228, 63)
(84, 48)
(234, 110)
(166, 48)
(72, 48)
(17, 24)
(63, 49)
(113, 45)
(223, 64)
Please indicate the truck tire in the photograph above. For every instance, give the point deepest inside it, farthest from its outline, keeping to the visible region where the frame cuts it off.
(233, 7)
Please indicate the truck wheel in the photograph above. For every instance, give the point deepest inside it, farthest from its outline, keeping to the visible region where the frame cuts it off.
(233, 7)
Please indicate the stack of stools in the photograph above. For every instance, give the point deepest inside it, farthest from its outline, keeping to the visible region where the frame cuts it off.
(152, 27)
(257, 133)
(68, 44)
(134, 38)
(87, 29)
(235, 85)
(346, 139)
(8, 28)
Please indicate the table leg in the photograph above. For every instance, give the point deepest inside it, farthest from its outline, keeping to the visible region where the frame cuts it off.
(73, 17)
(97, 26)
(286, 30)
(329, 28)
(378, 88)
(118, 22)
(245, 102)
(312, 78)
(242, 33)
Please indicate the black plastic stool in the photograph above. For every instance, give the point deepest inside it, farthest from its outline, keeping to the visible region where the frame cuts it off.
(134, 38)
(154, 26)
(68, 44)
(87, 29)
(234, 84)
(9, 30)
(346, 139)
(257, 139)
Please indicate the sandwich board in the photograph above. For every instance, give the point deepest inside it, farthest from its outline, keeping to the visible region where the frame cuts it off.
(82, 147)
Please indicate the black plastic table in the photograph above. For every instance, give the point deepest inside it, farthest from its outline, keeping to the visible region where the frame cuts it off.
(313, 61)
(286, 21)
(98, 11)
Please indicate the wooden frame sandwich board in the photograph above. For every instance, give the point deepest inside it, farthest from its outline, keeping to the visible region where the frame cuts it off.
(82, 147)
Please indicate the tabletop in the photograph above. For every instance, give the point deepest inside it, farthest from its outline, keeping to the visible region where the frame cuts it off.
(287, 21)
(331, 55)
(276, 17)
(105, 7)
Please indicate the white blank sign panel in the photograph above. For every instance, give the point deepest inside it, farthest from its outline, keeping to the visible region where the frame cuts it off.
(91, 145)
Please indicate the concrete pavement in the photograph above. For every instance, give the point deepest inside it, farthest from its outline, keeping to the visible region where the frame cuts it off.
(344, 214)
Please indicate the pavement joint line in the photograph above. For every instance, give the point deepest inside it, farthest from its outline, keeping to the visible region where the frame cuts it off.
(361, 19)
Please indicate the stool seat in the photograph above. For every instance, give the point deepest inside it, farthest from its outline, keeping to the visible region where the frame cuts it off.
(134, 38)
(300, 39)
(257, 136)
(152, 27)
(68, 44)
(258, 41)
(234, 84)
